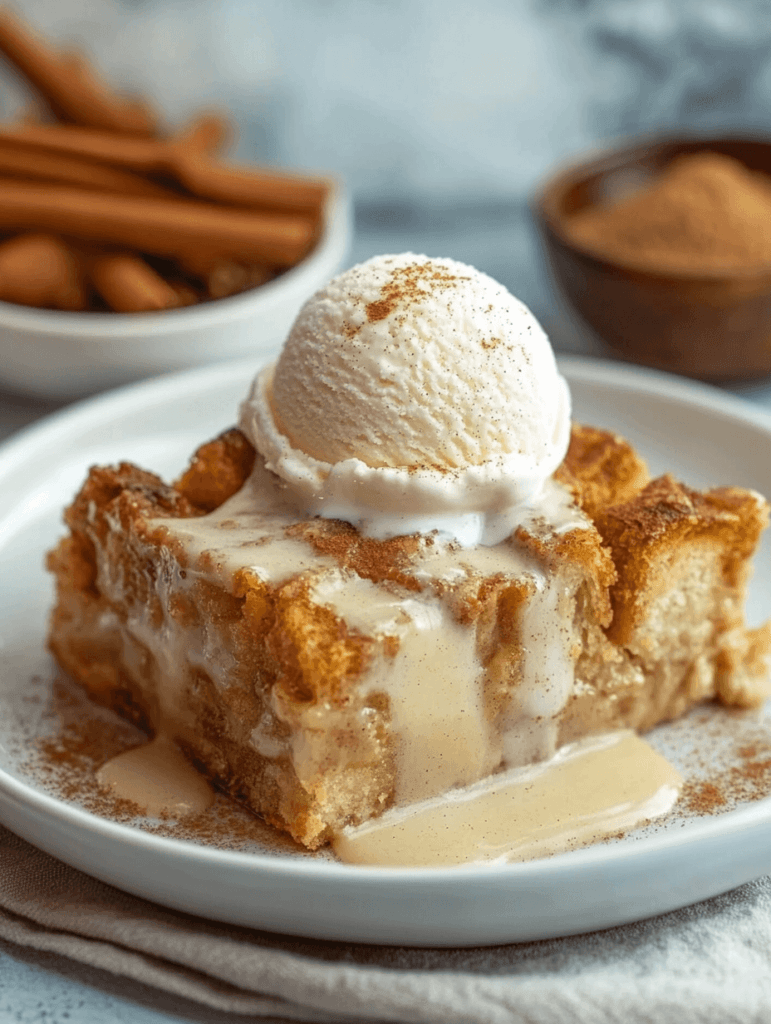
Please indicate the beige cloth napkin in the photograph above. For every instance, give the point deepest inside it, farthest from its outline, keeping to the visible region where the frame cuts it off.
(705, 964)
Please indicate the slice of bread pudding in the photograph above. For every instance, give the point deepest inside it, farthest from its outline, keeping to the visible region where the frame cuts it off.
(320, 676)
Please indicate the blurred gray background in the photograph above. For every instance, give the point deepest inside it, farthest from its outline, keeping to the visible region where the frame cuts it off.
(442, 115)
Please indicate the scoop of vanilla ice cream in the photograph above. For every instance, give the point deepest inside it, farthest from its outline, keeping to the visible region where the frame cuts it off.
(413, 394)
(407, 361)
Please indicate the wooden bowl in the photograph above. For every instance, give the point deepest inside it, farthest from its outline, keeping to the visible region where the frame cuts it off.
(712, 326)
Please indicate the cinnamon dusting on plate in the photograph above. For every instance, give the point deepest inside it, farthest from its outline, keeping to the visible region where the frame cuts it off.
(743, 782)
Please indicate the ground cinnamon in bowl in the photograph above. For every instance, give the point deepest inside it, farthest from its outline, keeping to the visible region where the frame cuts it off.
(662, 250)
(706, 214)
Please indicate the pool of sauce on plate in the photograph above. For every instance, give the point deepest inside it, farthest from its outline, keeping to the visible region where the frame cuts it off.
(588, 790)
(158, 778)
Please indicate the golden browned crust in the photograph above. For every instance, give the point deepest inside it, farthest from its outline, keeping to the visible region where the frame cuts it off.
(601, 469)
(664, 520)
(217, 470)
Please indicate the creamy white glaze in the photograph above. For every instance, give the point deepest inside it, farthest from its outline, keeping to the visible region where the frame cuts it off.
(247, 531)
(432, 683)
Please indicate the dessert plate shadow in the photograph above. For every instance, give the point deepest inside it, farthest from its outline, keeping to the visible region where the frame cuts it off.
(699, 434)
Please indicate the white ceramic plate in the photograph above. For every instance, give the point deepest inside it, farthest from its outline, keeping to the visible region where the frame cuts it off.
(701, 435)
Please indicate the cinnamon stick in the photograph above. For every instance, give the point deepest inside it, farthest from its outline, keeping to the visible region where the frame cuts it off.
(246, 186)
(124, 151)
(30, 162)
(39, 270)
(68, 84)
(204, 177)
(166, 227)
(128, 285)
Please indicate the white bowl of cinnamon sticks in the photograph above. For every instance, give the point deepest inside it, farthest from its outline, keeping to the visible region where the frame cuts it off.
(127, 250)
